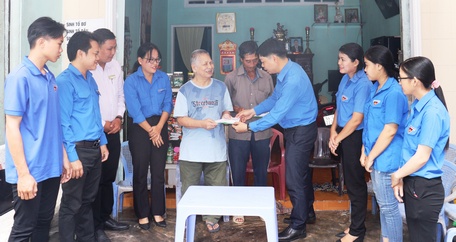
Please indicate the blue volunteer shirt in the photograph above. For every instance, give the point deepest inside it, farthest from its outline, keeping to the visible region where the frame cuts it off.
(291, 104)
(146, 99)
(33, 96)
(351, 97)
(429, 125)
(81, 117)
(385, 106)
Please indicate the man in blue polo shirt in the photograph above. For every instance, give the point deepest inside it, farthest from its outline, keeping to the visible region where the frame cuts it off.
(294, 107)
(83, 136)
(34, 148)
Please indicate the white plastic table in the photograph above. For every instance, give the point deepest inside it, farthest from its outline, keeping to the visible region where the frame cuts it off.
(226, 200)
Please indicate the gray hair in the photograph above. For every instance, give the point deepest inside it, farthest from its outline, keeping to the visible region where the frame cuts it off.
(196, 53)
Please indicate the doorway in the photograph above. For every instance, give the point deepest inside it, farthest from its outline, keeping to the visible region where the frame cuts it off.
(184, 40)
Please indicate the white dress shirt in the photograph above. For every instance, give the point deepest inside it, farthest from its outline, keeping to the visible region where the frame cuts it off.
(110, 85)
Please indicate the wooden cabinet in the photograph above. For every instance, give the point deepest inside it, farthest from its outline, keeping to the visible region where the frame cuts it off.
(304, 60)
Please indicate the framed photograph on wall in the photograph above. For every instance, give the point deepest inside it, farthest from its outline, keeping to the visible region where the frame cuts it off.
(227, 64)
(295, 44)
(226, 22)
(351, 15)
(321, 13)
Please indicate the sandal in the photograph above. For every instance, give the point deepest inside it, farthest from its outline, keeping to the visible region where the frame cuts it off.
(238, 219)
(212, 227)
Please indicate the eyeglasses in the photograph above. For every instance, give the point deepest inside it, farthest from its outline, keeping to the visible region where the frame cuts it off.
(399, 79)
(251, 61)
(152, 60)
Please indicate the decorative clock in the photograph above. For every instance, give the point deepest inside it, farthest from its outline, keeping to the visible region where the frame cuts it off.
(226, 23)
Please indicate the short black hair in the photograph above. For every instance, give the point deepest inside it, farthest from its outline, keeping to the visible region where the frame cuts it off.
(79, 41)
(248, 47)
(44, 27)
(272, 46)
(103, 34)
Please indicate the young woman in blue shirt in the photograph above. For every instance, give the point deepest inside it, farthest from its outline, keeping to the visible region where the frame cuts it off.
(418, 182)
(148, 97)
(346, 132)
(385, 114)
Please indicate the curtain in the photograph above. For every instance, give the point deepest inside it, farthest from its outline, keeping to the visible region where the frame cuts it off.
(189, 39)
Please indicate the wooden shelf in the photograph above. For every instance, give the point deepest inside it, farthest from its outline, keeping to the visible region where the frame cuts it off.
(337, 25)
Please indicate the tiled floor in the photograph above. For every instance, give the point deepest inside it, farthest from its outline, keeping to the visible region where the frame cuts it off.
(328, 224)
(332, 218)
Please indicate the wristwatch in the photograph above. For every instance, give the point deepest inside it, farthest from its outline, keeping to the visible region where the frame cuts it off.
(120, 117)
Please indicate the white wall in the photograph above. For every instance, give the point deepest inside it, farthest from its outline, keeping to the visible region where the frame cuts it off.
(23, 12)
(101, 14)
(438, 31)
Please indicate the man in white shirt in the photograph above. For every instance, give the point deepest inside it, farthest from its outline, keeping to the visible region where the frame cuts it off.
(109, 78)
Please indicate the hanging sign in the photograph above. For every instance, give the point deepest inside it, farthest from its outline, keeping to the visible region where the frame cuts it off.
(76, 25)
(227, 56)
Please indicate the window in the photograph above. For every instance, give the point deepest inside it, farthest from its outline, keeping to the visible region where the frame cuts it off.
(229, 3)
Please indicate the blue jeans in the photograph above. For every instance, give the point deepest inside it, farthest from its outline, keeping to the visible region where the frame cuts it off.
(390, 217)
(239, 152)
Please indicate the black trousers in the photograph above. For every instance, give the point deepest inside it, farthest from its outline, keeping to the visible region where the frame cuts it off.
(32, 218)
(75, 215)
(299, 142)
(147, 157)
(102, 206)
(350, 151)
(423, 200)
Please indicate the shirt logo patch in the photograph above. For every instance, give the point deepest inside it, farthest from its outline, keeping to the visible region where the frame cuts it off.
(344, 98)
(111, 77)
(410, 129)
(375, 102)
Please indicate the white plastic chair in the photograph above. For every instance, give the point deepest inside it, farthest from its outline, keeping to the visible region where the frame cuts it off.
(449, 182)
(125, 185)
(449, 208)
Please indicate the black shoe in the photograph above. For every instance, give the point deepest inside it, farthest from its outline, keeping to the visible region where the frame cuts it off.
(144, 226)
(341, 234)
(112, 224)
(359, 239)
(290, 234)
(160, 224)
(311, 219)
(101, 236)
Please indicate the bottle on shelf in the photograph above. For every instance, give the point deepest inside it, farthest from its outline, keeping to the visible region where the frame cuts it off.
(178, 79)
(176, 154)
(170, 154)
